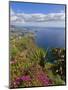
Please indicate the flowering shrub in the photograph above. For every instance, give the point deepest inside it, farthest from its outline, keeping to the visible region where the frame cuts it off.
(27, 67)
(44, 79)
(25, 78)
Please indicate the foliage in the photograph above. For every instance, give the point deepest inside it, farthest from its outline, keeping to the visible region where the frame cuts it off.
(29, 67)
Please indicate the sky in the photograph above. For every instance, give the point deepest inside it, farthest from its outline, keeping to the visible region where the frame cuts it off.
(36, 14)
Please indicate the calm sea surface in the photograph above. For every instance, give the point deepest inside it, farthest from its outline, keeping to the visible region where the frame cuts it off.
(50, 37)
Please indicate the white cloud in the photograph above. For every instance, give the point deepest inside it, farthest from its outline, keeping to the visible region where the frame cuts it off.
(36, 18)
(12, 12)
(12, 15)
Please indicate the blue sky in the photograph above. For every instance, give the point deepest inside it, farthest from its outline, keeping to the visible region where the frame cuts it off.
(19, 7)
(37, 14)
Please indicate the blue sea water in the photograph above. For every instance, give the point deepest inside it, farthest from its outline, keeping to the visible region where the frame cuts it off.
(50, 37)
(47, 37)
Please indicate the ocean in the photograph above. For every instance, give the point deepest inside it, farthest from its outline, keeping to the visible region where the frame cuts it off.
(50, 37)
(46, 37)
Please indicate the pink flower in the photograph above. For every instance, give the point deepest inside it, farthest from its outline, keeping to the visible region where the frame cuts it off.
(25, 78)
(12, 62)
(44, 79)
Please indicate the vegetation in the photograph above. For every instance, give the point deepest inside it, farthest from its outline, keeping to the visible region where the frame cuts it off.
(29, 67)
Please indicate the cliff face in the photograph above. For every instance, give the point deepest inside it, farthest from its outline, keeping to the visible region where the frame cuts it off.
(28, 65)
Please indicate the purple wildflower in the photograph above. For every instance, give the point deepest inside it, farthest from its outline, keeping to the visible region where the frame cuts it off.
(25, 78)
(44, 79)
(18, 81)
